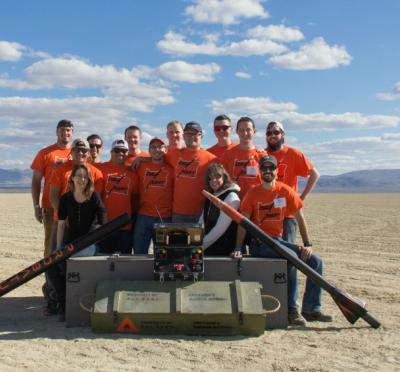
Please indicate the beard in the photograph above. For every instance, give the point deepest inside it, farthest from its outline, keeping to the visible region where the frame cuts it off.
(275, 146)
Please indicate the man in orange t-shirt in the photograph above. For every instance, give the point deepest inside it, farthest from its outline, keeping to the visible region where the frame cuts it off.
(223, 131)
(156, 183)
(43, 165)
(133, 136)
(120, 190)
(241, 161)
(95, 144)
(292, 163)
(190, 165)
(266, 205)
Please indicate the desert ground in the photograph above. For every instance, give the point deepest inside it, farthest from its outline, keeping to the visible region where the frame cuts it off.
(356, 234)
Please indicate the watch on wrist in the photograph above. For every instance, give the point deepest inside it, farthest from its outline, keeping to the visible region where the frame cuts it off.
(36, 206)
(307, 244)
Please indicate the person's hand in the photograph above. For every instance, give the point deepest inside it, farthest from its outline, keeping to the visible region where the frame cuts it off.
(305, 253)
(237, 253)
(38, 214)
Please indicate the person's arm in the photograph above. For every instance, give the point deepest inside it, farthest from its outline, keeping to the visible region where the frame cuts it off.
(139, 160)
(240, 236)
(223, 222)
(311, 182)
(60, 232)
(54, 196)
(306, 251)
(35, 190)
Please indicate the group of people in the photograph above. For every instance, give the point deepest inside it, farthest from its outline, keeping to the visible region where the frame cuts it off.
(164, 184)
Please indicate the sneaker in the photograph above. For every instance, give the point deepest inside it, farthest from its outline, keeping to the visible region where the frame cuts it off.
(317, 316)
(52, 308)
(296, 319)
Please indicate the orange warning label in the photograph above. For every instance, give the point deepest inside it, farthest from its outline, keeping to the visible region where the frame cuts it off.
(127, 326)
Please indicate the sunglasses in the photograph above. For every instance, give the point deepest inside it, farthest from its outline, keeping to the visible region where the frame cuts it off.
(273, 132)
(93, 145)
(120, 151)
(81, 150)
(267, 168)
(222, 128)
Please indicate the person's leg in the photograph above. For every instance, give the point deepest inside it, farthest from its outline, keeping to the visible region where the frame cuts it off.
(143, 233)
(124, 242)
(289, 235)
(48, 220)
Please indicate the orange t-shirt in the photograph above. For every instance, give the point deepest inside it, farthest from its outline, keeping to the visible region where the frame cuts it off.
(120, 185)
(219, 151)
(190, 168)
(45, 162)
(292, 163)
(156, 185)
(129, 160)
(242, 166)
(267, 208)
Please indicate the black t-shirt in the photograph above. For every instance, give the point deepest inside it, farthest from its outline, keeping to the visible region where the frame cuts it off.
(81, 217)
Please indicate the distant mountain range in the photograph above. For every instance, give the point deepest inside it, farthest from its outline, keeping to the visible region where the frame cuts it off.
(384, 180)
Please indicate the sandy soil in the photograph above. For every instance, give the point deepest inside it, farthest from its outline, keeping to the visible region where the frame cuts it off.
(357, 235)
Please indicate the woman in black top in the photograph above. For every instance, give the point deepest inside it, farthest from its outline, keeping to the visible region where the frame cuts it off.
(80, 210)
(219, 229)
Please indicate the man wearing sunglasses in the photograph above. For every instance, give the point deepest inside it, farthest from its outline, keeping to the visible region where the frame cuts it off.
(120, 189)
(266, 205)
(222, 131)
(292, 164)
(95, 144)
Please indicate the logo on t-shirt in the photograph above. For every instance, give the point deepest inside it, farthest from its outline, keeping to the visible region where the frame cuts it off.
(58, 161)
(244, 169)
(117, 184)
(281, 172)
(187, 168)
(155, 178)
(268, 212)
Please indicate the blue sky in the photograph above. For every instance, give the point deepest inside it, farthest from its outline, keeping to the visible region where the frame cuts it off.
(328, 70)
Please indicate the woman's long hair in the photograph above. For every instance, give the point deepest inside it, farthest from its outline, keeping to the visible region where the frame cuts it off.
(217, 169)
(89, 188)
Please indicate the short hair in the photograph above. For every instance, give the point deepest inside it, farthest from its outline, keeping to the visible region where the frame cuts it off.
(216, 168)
(133, 127)
(222, 117)
(89, 189)
(64, 123)
(173, 122)
(245, 118)
(93, 137)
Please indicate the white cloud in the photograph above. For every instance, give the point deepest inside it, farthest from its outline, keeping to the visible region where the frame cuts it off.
(392, 96)
(226, 12)
(317, 55)
(243, 75)
(264, 109)
(276, 32)
(10, 51)
(350, 154)
(250, 105)
(192, 73)
(175, 43)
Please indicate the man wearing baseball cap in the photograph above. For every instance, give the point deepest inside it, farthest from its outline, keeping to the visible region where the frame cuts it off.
(156, 180)
(120, 189)
(266, 205)
(43, 165)
(190, 165)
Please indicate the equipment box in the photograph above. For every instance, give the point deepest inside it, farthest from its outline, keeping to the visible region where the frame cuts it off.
(83, 274)
(179, 307)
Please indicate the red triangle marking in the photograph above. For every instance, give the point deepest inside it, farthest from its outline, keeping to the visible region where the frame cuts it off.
(127, 326)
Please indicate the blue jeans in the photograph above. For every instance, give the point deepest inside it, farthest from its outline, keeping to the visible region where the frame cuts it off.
(143, 232)
(312, 294)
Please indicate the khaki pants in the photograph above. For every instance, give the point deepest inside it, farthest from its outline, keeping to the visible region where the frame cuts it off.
(48, 221)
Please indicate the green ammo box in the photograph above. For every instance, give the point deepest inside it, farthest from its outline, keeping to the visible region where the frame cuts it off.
(179, 307)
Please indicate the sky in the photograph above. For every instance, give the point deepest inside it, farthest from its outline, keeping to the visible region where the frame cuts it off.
(328, 70)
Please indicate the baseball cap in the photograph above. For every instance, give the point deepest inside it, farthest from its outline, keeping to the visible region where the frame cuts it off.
(193, 125)
(65, 124)
(156, 139)
(81, 143)
(277, 124)
(268, 159)
(119, 144)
